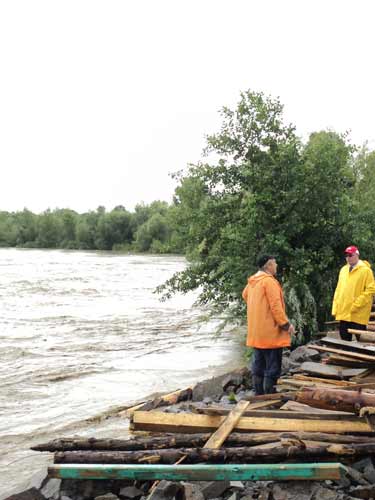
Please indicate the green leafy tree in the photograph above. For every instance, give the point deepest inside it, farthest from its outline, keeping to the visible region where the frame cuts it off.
(267, 192)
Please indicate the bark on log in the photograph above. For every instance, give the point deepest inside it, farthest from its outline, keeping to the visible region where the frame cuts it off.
(280, 451)
(336, 399)
(192, 441)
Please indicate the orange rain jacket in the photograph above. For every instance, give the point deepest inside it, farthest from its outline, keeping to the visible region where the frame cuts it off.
(265, 312)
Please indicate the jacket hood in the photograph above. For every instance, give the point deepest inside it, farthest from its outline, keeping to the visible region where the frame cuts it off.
(362, 263)
(256, 278)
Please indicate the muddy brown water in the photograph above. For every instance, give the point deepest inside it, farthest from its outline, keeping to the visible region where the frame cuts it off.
(83, 334)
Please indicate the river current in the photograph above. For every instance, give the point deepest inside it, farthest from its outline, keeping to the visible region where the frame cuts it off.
(83, 334)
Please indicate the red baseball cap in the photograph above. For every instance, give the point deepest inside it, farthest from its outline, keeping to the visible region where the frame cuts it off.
(351, 250)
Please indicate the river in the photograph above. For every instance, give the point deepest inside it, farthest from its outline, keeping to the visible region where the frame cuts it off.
(82, 334)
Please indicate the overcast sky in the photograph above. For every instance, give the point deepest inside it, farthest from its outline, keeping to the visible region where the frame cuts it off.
(101, 100)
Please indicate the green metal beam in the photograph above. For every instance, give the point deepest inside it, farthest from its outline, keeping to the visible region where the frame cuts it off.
(200, 472)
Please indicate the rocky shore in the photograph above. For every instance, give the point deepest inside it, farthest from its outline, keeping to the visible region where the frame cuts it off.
(358, 481)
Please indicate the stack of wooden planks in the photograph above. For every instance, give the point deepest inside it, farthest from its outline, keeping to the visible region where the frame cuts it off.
(323, 413)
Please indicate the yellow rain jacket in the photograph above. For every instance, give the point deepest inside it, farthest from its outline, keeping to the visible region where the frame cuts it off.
(353, 296)
(265, 312)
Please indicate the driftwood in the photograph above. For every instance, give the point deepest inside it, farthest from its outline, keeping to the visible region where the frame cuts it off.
(338, 399)
(290, 448)
(192, 441)
(167, 399)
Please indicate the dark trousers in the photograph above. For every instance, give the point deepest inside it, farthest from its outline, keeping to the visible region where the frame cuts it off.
(267, 362)
(344, 325)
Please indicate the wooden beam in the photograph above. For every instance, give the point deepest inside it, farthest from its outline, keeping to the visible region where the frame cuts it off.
(350, 345)
(308, 413)
(201, 472)
(324, 380)
(226, 427)
(355, 355)
(185, 422)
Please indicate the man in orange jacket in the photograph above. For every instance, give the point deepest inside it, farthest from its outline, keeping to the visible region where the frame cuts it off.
(268, 327)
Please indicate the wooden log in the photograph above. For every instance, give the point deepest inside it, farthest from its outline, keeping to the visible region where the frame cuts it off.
(201, 472)
(361, 332)
(288, 449)
(190, 423)
(194, 441)
(339, 399)
(323, 370)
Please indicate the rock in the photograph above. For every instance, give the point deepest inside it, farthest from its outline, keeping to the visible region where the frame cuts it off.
(362, 492)
(362, 464)
(303, 353)
(369, 473)
(192, 491)
(238, 485)
(64, 497)
(166, 490)
(232, 381)
(279, 493)
(234, 496)
(212, 489)
(30, 494)
(130, 492)
(51, 488)
(264, 494)
(343, 483)
(323, 493)
(213, 387)
(356, 476)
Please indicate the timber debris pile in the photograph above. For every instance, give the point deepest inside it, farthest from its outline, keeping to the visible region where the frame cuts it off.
(216, 440)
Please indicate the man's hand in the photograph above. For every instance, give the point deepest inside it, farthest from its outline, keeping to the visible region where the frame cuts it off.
(291, 330)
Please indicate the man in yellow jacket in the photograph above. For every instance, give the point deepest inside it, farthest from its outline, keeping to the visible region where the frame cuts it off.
(353, 296)
(268, 327)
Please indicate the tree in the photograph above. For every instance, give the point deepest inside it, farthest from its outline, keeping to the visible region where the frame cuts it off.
(267, 192)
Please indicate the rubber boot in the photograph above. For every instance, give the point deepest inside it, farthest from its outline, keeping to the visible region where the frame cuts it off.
(258, 385)
(269, 385)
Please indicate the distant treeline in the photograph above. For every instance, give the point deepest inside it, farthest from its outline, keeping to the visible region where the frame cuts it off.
(149, 228)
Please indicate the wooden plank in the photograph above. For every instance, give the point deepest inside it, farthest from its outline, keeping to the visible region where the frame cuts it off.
(355, 355)
(307, 413)
(190, 423)
(330, 371)
(350, 345)
(226, 427)
(335, 359)
(324, 380)
(201, 472)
